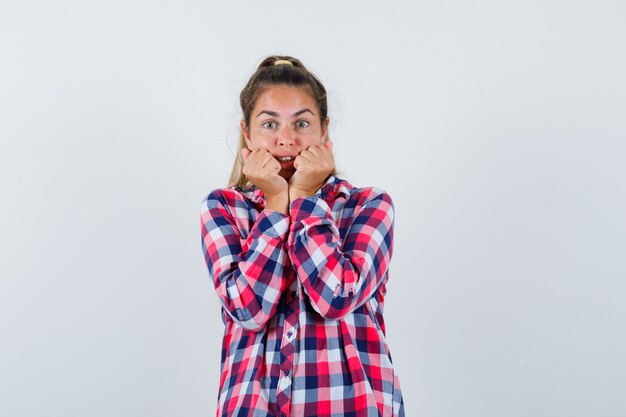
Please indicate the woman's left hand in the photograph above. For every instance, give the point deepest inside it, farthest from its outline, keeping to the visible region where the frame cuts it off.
(313, 166)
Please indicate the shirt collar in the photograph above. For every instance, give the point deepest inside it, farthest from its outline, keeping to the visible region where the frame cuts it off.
(333, 186)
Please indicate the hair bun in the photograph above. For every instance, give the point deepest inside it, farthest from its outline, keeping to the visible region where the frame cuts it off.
(282, 62)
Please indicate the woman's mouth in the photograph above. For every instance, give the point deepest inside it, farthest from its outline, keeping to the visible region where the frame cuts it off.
(286, 162)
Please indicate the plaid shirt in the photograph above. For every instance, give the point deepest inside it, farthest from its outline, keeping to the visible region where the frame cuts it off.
(302, 300)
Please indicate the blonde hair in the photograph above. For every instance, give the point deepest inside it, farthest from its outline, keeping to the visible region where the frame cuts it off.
(274, 70)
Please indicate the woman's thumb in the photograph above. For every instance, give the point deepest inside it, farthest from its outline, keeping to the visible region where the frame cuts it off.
(244, 153)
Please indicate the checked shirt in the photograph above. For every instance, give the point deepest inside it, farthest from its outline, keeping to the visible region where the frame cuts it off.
(302, 299)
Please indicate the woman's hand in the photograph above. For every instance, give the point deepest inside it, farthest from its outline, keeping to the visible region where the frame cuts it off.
(262, 169)
(313, 166)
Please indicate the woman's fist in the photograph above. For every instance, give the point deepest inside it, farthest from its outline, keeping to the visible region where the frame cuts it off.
(313, 166)
(262, 170)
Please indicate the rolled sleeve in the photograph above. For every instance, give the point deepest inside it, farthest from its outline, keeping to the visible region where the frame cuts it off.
(339, 273)
(249, 272)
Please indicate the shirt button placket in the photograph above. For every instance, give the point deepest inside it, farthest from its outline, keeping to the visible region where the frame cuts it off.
(287, 349)
(284, 385)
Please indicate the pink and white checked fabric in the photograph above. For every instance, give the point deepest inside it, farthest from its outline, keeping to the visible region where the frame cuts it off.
(302, 300)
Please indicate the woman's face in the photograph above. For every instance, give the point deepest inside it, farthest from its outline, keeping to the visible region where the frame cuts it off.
(285, 121)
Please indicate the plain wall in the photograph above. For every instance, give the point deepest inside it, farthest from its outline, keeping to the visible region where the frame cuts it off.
(498, 129)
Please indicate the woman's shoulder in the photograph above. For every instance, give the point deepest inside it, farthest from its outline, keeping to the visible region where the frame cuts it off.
(337, 183)
(371, 190)
(360, 197)
(366, 194)
(228, 196)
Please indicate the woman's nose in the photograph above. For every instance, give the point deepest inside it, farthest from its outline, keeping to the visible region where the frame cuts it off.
(285, 136)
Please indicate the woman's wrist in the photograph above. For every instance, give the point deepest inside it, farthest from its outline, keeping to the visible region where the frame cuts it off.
(295, 193)
(277, 202)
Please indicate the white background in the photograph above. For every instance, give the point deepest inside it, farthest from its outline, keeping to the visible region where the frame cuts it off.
(497, 127)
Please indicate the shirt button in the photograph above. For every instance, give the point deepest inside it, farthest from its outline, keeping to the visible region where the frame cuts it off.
(294, 293)
(283, 383)
(289, 333)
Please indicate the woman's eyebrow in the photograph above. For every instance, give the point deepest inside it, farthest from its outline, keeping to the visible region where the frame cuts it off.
(273, 113)
(299, 112)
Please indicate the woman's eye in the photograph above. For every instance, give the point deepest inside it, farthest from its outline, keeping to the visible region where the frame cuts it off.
(269, 125)
(302, 123)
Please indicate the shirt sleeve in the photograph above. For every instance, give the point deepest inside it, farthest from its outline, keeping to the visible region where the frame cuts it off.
(340, 275)
(249, 274)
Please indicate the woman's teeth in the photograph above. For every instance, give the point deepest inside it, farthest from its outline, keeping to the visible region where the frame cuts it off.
(286, 158)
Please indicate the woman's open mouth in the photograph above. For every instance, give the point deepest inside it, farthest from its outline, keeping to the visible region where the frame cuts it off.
(286, 161)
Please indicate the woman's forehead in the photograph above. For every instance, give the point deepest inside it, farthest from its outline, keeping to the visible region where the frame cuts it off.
(286, 100)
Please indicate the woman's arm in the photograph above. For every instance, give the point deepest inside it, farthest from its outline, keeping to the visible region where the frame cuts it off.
(339, 276)
(249, 274)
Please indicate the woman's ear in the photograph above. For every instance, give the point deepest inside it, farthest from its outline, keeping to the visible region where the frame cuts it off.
(325, 130)
(246, 133)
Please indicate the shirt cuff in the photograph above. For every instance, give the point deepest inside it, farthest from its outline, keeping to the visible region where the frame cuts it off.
(272, 223)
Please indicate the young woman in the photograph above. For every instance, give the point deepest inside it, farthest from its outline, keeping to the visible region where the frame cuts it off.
(299, 258)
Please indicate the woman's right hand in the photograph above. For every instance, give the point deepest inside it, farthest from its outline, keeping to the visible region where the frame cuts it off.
(262, 170)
